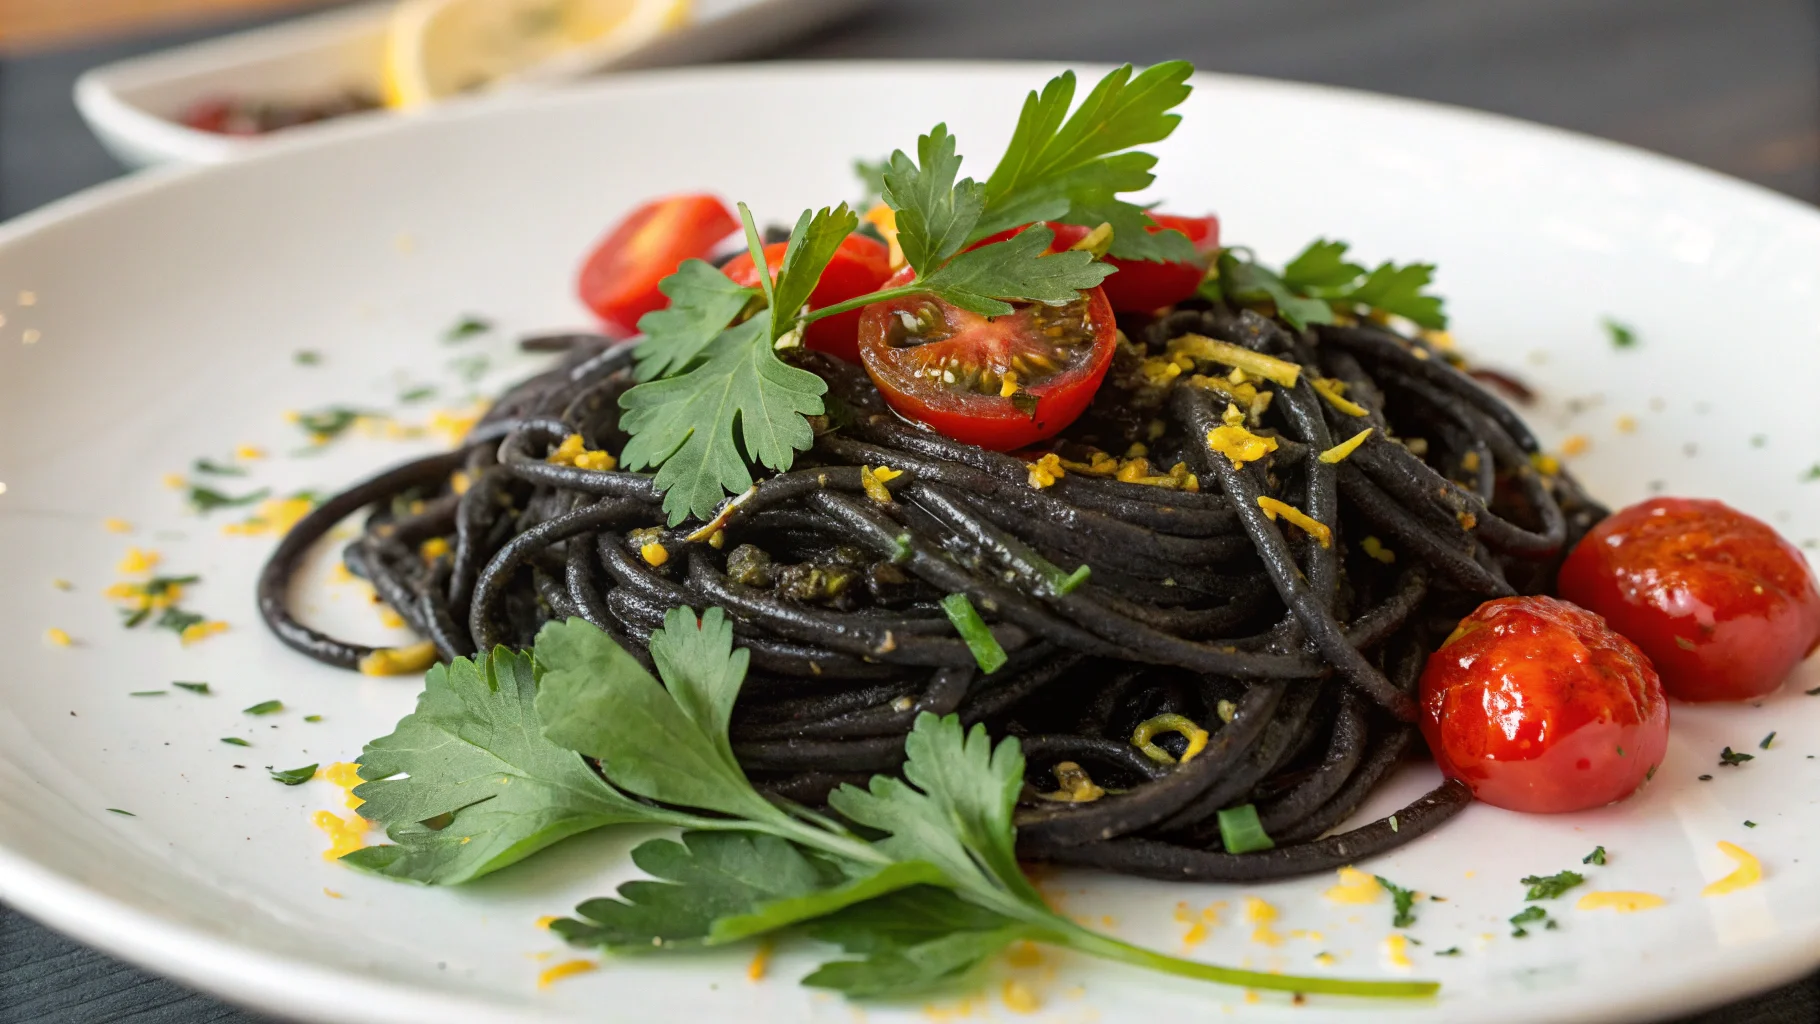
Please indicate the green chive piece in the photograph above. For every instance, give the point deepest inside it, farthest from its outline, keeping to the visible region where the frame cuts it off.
(901, 549)
(202, 688)
(128, 814)
(265, 707)
(1069, 583)
(148, 693)
(312, 718)
(1750, 824)
(468, 326)
(235, 741)
(1241, 831)
(972, 628)
(295, 776)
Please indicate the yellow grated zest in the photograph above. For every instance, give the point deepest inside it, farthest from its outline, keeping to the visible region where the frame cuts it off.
(1326, 959)
(1545, 463)
(434, 548)
(1355, 887)
(1270, 368)
(138, 561)
(344, 836)
(1442, 340)
(1238, 444)
(1470, 462)
(886, 474)
(654, 554)
(1024, 954)
(1339, 452)
(116, 525)
(1073, 785)
(1018, 998)
(1334, 391)
(454, 424)
(389, 617)
(1262, 914)
(1314, 528)
(201, 631)
(717, 539)
(273, 516)
(1045, 471)
(1575, 445)
(884, 218)
(460, 481)
(760, 962)
(62, 584)
(1396, 951)
(567, 969)
(1627, 424)
(249, 452)
(1622, 902)
(1748, 872)
(1375, 549)
(1009, 387)
(345, 774)
(331, 894)
(399, 661)
(1143, 736)
(873, 486)
(175, 481)
(57, 637)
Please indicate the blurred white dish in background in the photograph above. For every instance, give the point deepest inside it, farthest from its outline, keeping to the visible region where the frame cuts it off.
(136, 106)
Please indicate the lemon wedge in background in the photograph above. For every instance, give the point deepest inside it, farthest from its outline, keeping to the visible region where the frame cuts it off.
(437, 48)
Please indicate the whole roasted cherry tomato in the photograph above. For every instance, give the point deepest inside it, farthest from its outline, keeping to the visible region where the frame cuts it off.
(620, 277)
(1723, 606)
(1537, 705)
(1000, 383)
(1143, 285)
(859, 266)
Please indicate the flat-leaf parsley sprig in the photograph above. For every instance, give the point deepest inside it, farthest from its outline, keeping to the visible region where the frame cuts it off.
(931, 890)
(716, 397)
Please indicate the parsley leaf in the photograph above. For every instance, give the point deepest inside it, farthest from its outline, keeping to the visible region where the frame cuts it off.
(1320, 279)
(214, 468)
(871, 175)
(911, 941)
(467, 327)
(935, 216)
(1622, 335)
(235, 741)
(1729, 758)
(481, 786)
(1548, 887)
(813, 242)
(1243, 281)
(265, 707)
(1528, 915)
(295, 776)
(1404, 900)
(688, 423)
(703, 301)
(1071, 168)
(979, 279)
(202, 688)
(1595, 857)
(177, 620)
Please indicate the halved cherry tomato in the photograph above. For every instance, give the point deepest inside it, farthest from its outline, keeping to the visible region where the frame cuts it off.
(1144, 285)
(1537, 705)
(859, 266)
(619, 279)
(999, 383)
(1722, 604)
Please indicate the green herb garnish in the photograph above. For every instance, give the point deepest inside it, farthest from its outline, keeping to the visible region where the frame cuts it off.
(1749, 824)
(295, 776)
(1729, 758)
(1595, 857)
(471, 368)
(312, 718)
(117, 810)
(974, 632)
(306, 357)
(1622, 335)
(1242, 832)
(325, 425)
(177, 620)
(1548, 887)
(207, 499)
(1526, 916)
(467, 327)
(417, 394)
(930, 892)
(1449, 951)
(213, 468)
(1404, 901)
(1320, 281)
(1764, 745)
(149, 693)
(202, 688)
(235, 741)
(265, 707)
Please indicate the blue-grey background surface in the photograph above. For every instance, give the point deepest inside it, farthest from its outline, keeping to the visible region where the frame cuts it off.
(1730, 84)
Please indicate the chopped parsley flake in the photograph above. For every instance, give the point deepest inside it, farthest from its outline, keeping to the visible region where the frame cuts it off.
(324, 425)
(1449, 951)
(1595, 857)
(307, 357)
(467, 327)
(1766, 741)
(418, 393)
(202, 688)
(1526, 916)
(265, 707)
(295, 776)
(1812, 474)
(312, 718)
(207, 499)
(1548, 887)
(213, 468)
(470, 368)
(1404, 899)
(177, 620)
(1622, 335)
(128, 814)
(1749, 824)
(1729, 758)
(1706, 778)
(235, 741)
(148, 693)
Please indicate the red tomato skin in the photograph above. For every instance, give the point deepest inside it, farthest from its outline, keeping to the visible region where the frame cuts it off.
(1532, 699)
(1144, 285)
(619, 279)
(859, 266)
(991, 422)
(1679, 573)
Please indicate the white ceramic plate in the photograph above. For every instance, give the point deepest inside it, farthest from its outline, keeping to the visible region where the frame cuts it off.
(165, 311)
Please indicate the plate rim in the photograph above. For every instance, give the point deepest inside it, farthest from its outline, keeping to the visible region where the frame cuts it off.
(277, 984)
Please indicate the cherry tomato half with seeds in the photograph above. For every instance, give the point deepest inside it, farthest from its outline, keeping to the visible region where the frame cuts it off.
(1000, 383)
(619, 278)
(1722, 604)
(859, 266)
(1143, 285)
(1537, 705)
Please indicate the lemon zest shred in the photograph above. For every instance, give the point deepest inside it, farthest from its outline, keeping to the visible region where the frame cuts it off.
(57, 637)
(1622, 902)
(1748, 872)
(1375, 549)
(1334, 391)
(1355, 886)
(874, 487)
(201, 631)
(760, 962)
(1045, 471)
(567, 969)
(1313, 527)
(1278, 371)
(1018, 998)
(399, 661)
(1073, 785)
(1339, 452)
(1142, 737)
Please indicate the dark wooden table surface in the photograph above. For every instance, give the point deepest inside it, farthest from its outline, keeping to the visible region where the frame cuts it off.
(1731, 84)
